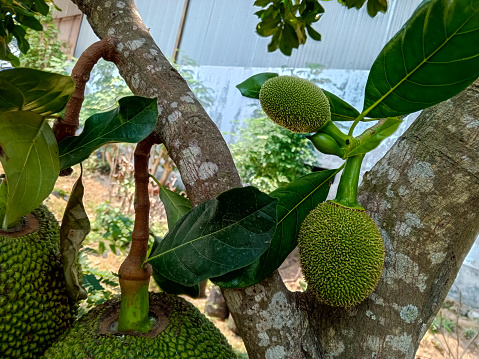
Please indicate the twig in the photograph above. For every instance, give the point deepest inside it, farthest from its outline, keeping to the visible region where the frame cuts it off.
(457, 322)
(81, 74)
(445, 339)
(295, 278)
(468, 345)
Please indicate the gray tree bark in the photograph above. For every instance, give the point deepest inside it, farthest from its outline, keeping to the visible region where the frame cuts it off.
(423, 195)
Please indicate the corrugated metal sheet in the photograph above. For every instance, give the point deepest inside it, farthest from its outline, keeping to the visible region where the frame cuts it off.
(221, 33)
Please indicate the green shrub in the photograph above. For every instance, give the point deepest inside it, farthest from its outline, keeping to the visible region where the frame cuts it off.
(269, 156)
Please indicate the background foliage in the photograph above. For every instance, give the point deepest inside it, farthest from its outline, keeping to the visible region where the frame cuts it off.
(269, 156)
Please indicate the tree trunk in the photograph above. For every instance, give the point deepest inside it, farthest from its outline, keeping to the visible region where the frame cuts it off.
(423, 195)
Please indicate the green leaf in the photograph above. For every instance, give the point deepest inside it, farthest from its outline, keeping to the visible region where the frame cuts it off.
(19, 33)
(295, 201)
(217, 237)
(6, 54)
(432, 58)
(74, 229)
(133, 120)
(169, 286)
(373, 7)
(251, 86)
(3, 199)
(289, 40)
(374, 136)
(29, 155)
(313, 33)
(176, 205)
(90, 282)
(42, 92)
(340, 109)
(29, 21)
(262, 3)
(42, 7)
(268, 27)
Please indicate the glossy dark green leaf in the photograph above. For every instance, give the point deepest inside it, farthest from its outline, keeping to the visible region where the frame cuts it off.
(340, 109)
(176, 205)
(75, 227)
(29, 156)
(169, 286)
(42, 92)
(375, 136)
(133, 120)
(432, 58)
(295, 201)
(251, 86)
(217, 237)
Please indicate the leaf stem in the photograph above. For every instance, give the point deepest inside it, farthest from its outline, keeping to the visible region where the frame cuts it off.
(330, 129)
(348, 185)
(134, 272)
(357, 120)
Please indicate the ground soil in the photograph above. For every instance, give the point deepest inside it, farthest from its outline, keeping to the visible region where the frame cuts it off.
(459, 343)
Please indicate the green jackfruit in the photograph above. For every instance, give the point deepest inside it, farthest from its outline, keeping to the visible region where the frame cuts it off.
(181, 331)
(295, 103)
(341, 253)
(34, 306)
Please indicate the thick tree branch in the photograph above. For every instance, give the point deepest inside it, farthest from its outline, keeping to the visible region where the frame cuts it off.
(193, 141)
(424, 196)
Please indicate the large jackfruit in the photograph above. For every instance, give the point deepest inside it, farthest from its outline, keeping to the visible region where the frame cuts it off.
(34, 306)
(295, 103)
(180, 331)
(341, 253)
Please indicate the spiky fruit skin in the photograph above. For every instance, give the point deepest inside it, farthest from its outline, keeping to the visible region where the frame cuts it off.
(295, 103)
(341, 253)
(34, 306)
(188, 334)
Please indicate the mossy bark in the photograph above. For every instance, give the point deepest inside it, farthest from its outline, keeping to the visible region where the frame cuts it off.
(424, 196)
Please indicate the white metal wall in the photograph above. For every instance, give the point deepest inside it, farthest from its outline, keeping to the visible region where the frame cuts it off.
(222, 33)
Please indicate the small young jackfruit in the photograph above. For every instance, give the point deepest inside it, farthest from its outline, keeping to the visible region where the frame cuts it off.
(295, 103)
(34, 306)
(180, 331)
(341, 253)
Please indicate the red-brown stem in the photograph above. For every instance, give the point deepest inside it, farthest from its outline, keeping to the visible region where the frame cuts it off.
(132, 268)
(81, 74)
(134, 274)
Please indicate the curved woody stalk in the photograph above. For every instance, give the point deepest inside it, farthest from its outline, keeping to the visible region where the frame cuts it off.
(134, 274)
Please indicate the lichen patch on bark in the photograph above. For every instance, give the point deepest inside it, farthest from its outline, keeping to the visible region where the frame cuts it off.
(409, 313)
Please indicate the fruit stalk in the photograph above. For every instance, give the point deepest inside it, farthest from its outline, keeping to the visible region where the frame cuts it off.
(134, 272)
(348, 185)
(330, 129)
